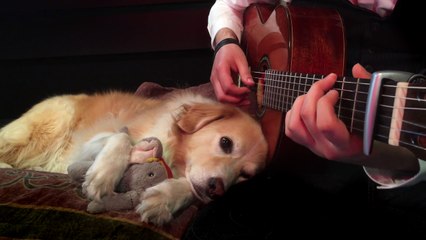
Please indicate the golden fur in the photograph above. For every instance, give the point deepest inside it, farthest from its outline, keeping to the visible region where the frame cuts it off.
(209, 146)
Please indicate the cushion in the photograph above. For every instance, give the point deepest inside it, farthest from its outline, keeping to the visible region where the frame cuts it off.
(43, 205)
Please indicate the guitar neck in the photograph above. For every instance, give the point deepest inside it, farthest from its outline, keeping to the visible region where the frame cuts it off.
(280, 90)
(399, 106)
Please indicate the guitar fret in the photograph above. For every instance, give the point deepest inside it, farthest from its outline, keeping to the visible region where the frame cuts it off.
(281, 95)
(290, 92)
(274, 89)
(282, 92)
(354, 108)
(271, 98)
(296, 93)
(306, 83)
(287, 94)
(342, 86)
(266, 91)
(279, 86)
(278, 79)
(293, 97)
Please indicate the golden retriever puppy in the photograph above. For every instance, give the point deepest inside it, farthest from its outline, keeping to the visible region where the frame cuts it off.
(208, 145)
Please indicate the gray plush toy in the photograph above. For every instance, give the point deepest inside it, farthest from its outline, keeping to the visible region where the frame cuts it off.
(136, 179)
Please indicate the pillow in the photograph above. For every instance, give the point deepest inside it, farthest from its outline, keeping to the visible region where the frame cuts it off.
(43, 205)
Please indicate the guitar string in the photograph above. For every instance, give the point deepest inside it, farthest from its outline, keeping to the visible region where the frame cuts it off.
(316, 77)
(351, 91)
(301, 92)
(286, 102)
(313, 77)
(345, 90)
(403, 142)
(416, 134)
(407, 122)
(407, 99)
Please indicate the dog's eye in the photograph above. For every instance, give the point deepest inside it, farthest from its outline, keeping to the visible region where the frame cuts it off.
(226, 144)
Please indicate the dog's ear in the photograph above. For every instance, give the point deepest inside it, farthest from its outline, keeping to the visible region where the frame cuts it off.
(193, 117)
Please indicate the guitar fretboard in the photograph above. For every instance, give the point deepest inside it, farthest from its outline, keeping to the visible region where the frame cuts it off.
(281, 89)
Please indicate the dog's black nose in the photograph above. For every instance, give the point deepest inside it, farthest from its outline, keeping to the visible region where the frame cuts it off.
(216, 188)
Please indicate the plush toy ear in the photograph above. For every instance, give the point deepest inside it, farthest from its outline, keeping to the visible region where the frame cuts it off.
(145, 149)
(194, 117)
(140, 155)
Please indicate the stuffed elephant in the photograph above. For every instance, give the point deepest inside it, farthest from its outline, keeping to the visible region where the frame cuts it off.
(144, 171)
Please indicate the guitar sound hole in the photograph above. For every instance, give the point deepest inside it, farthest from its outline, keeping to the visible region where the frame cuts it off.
(263, 66)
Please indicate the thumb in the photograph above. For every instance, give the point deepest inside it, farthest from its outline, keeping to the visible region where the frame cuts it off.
(245, 74)
(358, 71)
(246, 78)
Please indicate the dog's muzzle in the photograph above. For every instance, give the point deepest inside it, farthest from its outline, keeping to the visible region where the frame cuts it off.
(216, 188)
(213, 189)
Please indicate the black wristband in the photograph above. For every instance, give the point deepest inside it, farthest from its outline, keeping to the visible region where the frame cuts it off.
(225, 42)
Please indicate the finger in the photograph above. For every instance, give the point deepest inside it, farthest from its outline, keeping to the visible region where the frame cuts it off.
(220, 79)
(359, 71)
(224, 77)
(295, 128)
(329, 125)
(308, 111)
(221, 96)
(244, 71)
(230, 88)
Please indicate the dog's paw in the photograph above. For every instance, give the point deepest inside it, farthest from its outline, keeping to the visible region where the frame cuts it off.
(101, 181)
(98, 185)
(154, 207)
(159, 203)
(108, 168)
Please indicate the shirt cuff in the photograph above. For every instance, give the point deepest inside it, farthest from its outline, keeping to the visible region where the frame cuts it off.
(236, 28)
(388, 179)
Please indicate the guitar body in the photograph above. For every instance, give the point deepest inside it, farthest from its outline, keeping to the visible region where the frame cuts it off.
(291, 39)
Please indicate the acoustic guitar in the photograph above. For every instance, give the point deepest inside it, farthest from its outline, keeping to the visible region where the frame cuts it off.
(289, 48)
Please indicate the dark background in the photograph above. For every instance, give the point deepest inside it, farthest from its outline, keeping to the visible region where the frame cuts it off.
(54, 47)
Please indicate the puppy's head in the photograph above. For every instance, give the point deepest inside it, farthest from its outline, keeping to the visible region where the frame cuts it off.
(217, 146)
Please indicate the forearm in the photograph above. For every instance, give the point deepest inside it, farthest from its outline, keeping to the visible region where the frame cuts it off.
(225, 18)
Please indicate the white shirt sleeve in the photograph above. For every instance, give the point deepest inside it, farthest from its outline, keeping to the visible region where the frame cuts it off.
(382, 7)
(388, 179)
(229, 14)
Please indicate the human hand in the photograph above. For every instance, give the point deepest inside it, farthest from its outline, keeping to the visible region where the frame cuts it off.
(313, 123)
(229, 61)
